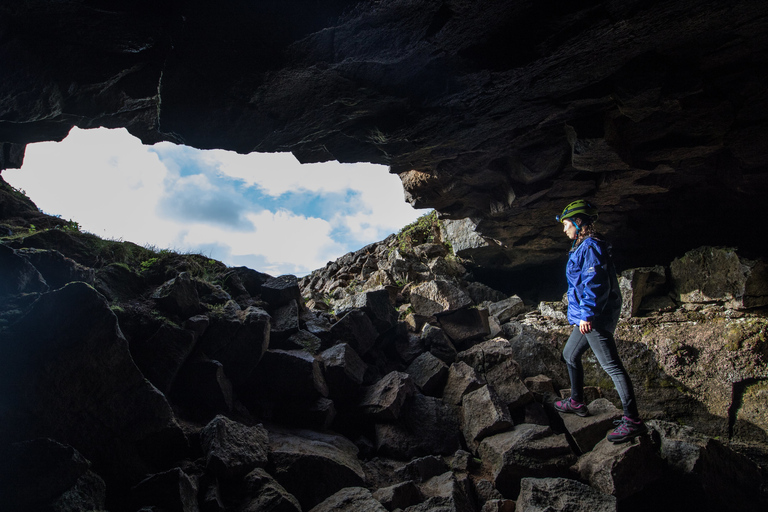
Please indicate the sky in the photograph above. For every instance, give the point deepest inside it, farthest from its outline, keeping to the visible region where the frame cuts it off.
(265, 211)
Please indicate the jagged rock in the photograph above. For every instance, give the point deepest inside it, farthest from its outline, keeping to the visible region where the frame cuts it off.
(233, 449)
(264, 493)
(43, 474)
(536, 358)
(203, 388)
(638, 283)
(169, 490)
(315, 322)
(251, 280)
(540, 384)
(756, 287)
(484, 294)
(429, 374)
(422, 469)
(118, 282)
(511, 330)
(178, 296)
(554, 310)
(727, 478)
(621, 469)
(288, 375)
(493, 360)
(301, 340)
(528, 450)
(561, 495)
(330, 459)
(400, 495)
(409, 347)
(285, 322)
(279, 291)
(486, 491)
(385, 399)
(455, 490)
(462, 236)
(483, 414)
(197, 325)
(709, 274)
(465, 325)
(506, 309)
(356, 329)
(212, 294)
(161, 357)
(352, 499)
(376, 304)
(237, 339)
(435, 297)
(18, 275)
(69, 376)
(434, 340)
(57, 269)
(426, 426)
(590, 430)
(344, 372)
(462, 379)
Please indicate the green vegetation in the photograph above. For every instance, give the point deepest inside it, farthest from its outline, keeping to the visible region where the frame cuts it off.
(426, 229)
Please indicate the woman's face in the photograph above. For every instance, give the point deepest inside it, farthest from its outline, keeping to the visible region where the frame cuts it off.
(569, 228)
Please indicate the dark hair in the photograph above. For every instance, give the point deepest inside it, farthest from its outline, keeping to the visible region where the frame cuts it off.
(586, 228)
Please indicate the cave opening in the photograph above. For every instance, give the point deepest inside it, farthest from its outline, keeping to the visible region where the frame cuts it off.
(265, 211)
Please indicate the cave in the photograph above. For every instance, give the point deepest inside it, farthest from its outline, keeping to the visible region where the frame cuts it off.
(500, 112)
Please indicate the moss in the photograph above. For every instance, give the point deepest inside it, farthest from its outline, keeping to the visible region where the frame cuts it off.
(424, 230)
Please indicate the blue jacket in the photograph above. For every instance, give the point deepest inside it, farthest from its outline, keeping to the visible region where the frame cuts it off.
(593, 288)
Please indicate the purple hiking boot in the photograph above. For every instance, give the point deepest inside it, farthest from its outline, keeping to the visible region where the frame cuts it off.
(572, 406)
(626, 429)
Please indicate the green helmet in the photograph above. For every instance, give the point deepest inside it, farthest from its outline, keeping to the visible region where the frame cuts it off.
(580, 206)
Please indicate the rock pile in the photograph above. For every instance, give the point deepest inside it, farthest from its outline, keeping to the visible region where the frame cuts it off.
(387, 381)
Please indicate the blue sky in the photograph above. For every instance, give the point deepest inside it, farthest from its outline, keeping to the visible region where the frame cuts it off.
(263, 211)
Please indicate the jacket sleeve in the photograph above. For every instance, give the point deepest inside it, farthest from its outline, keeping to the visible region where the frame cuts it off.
(596, 284)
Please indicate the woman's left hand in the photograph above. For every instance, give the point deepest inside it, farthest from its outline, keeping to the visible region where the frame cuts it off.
(585, 327)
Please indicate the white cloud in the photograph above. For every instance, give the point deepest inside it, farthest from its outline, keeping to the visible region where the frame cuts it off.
(198, 201)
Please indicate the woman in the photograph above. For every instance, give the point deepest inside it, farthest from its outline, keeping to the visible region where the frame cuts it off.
(594, 304)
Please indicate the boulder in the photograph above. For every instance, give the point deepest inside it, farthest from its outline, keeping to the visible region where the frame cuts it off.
(171, 490)
(117, 282)
(462, 379)
(621, 469)
(493, 360)
(434, 339)
(375, 303)
(355, 328)
(287, 375)
(18, 275)
(455, 491)
(251, 280)
(285, 322)
(353, 499)
(400, 495)
(528, 450)
(409, 346)
(330, 459)
(263, 492)
(300, 340)
(279, 291)
(233, 449)
(465, 325)
(540, 384)
(43, 474)
(561, 495)
(161, 357)
(344, 372)
(434, 297)
(483, 414)
(498, 505)
(202, 388)
(590, 430)
(69, 375)
(505, 310)
(638, 283)
(554, 310)
(237, 339)
(429, 374)
(426, 426)
(57, 269)
(484, 294)
(384, 400)
(178, 296)
(422, 469)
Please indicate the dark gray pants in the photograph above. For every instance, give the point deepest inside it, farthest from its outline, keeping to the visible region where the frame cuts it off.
(604, 346)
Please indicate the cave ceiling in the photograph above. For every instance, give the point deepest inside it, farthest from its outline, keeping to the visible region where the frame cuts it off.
(498, 111)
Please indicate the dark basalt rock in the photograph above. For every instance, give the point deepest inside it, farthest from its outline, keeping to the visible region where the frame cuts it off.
(498, 111)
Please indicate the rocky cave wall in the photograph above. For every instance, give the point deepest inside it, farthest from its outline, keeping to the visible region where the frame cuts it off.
(496, 111)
